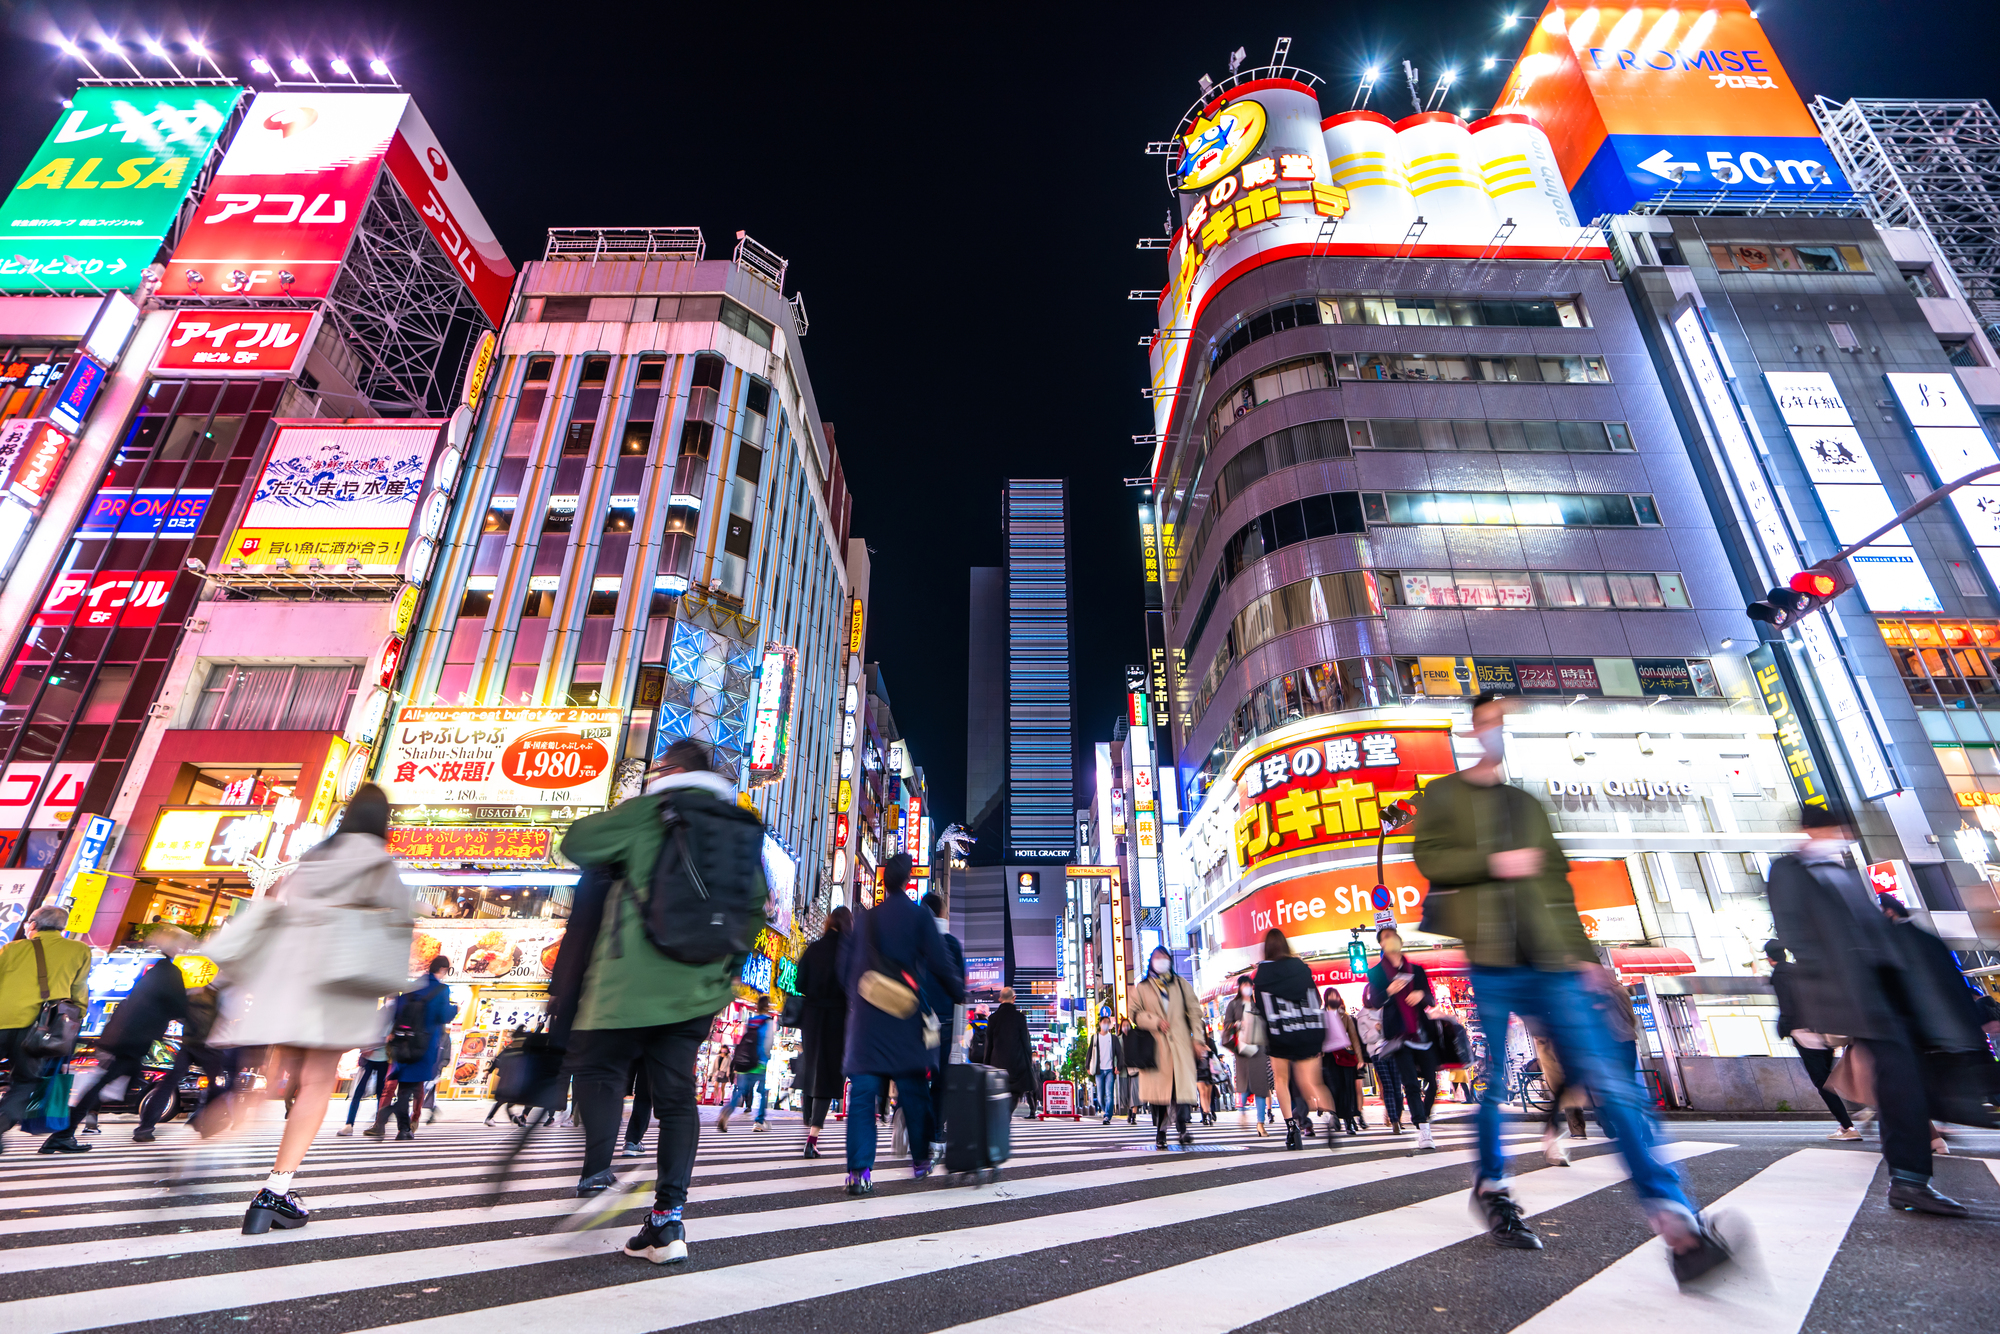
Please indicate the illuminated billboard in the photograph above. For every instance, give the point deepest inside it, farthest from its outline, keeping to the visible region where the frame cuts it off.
(1642, 100)
(101, 194)
(282, 212)
(237, 342)
(334, 490)
(501, 757)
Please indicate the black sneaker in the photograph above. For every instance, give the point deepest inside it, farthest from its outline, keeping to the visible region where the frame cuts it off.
(597, 1182)
(63, 1143)
(1504, 1224)
(665, 1244)
(860, 1183)
(268, 1209)
(1709, 1252)
(143, 1136)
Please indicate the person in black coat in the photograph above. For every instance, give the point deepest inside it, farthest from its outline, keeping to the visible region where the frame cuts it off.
(884, 963)
(1402, 991)
(1009, 1048)
(943, 1007)
(1847, 979)
(156, 1000)
(822, 1025)
(1959, 1072)
(1814, 1054)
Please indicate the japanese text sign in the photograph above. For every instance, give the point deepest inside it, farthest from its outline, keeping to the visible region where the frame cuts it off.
(453, 756)
(1327, 792)
(235, 342)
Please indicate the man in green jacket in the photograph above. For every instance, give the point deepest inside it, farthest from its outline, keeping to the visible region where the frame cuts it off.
(67, 965)
(1499, 882)
(639, 1005)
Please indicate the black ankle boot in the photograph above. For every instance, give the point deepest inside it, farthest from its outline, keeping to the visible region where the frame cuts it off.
(1294, 1138)
(1160, 1135)
(270, 1209)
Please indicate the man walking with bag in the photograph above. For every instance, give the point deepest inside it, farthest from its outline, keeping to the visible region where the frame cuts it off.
(747, 1064)
(40, 967)
(687, 900)
(140, 1020)
(1500, 883)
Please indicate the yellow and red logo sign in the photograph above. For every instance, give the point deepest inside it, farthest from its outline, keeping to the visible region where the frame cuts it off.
(1217, 144)
(1304, 795)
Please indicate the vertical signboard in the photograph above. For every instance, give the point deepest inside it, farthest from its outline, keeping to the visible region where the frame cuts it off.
(1773, 543)
(99, 197)
(1807, 780)
(1948, 432)
(1641, 100)
(771, 722)
(1856, 503)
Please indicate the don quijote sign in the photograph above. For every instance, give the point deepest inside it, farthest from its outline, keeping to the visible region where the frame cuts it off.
(1629, 789)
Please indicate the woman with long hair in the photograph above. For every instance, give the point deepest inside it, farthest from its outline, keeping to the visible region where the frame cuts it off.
(1290, 1006)
(822, 1026)
(1340, 1061)
(277, 1000)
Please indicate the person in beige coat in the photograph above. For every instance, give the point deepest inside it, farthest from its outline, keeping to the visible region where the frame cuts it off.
(277, 999)
(1164, 1005)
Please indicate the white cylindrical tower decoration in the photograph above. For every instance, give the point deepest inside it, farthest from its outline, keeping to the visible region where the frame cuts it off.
(1362, 158)
(1518, 167)
(1444, 180)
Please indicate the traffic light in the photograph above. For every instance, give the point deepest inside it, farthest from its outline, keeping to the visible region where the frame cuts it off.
(1808, 591)
(1357, 957)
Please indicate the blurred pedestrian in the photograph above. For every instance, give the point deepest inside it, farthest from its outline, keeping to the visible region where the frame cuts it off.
(944, 1007)
(1106, 1058)
(1388, 1081)
(1009, 1047)
(747, 1063)
(636, 1001)
(41, 965)
(1340, 1061)
(1289, 1003)
(277, 999)
(159, 998)
(885, 961)
(1816, 1054)
(1959, 1074)
(1253, 1058)
(374, 1073)
(822, 1026)
(1164, 1004)
(1400, 988)
(1500, 883)
(424, 1011)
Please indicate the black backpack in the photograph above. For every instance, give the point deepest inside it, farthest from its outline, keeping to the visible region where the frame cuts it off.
(408, 1038)
(744, 1058)
(706, 898)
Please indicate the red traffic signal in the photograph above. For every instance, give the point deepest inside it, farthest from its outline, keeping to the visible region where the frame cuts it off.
(1808, 591)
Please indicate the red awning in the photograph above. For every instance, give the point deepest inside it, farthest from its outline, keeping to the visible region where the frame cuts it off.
(1639, 960)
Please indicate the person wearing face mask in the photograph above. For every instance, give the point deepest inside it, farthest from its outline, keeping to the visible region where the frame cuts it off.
(1107, 1057)
(1499, 883)
(1165, 1005)
(1253, 1062)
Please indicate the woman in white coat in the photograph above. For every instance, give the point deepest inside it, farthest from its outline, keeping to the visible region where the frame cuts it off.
(279, 997)
(1165, 1005)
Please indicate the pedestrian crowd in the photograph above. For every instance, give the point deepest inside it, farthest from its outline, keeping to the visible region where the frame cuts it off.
(672, 892)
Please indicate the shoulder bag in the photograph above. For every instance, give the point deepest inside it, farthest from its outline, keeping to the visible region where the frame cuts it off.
(893, 994)
(53, 1033)
(367, 951)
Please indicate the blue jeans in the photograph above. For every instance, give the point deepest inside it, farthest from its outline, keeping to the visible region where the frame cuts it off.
(1107, 1083)
(380, 1070)
(749, 1083)
(1568, 1012)
(913, 1095)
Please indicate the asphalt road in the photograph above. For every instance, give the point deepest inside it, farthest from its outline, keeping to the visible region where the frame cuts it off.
(1089, 1229)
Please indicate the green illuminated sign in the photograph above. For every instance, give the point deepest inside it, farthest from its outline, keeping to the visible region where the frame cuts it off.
(100, 195)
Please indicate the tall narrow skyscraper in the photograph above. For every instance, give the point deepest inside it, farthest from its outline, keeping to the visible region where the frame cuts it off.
(1041, 725)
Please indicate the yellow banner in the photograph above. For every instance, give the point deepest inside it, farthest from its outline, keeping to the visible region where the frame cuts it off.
(266, 546)
(87, 889)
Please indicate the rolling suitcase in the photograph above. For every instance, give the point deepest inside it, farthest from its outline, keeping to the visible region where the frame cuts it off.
(977, 1134)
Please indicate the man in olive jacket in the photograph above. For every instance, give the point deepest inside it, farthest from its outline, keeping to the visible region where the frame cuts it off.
(42, 949)
(1500, 883)
(638, 1004)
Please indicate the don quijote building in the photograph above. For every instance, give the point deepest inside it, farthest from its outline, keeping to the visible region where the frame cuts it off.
(1410, 445)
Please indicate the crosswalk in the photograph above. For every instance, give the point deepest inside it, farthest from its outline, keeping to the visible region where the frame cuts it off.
(1090, 1229)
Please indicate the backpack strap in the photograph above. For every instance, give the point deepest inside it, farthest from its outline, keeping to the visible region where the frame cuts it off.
(41, 968)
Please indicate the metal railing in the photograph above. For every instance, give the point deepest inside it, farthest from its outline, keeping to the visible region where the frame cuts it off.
(682, 244)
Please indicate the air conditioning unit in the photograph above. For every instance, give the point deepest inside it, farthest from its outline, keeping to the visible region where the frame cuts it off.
(160, 711)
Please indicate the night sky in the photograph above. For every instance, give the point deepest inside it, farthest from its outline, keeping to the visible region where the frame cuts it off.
(958, 191)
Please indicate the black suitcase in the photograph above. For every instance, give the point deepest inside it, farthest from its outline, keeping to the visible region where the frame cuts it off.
(978, 1123)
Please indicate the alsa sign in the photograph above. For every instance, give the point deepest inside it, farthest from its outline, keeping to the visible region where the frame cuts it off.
(1329, 792)
(291, 190)
(231, 342)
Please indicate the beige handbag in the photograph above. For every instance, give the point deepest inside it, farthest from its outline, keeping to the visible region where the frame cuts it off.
(891, 995)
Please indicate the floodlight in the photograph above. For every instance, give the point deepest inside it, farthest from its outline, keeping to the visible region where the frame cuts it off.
(378, 67)
(340, 67)
(299, 65)
(261, 65)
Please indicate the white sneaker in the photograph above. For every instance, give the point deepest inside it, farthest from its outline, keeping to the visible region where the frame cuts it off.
(1424, 1142)
(1554, 1152)
(1847, 1133)
(344, 1132)
(759, 1128)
